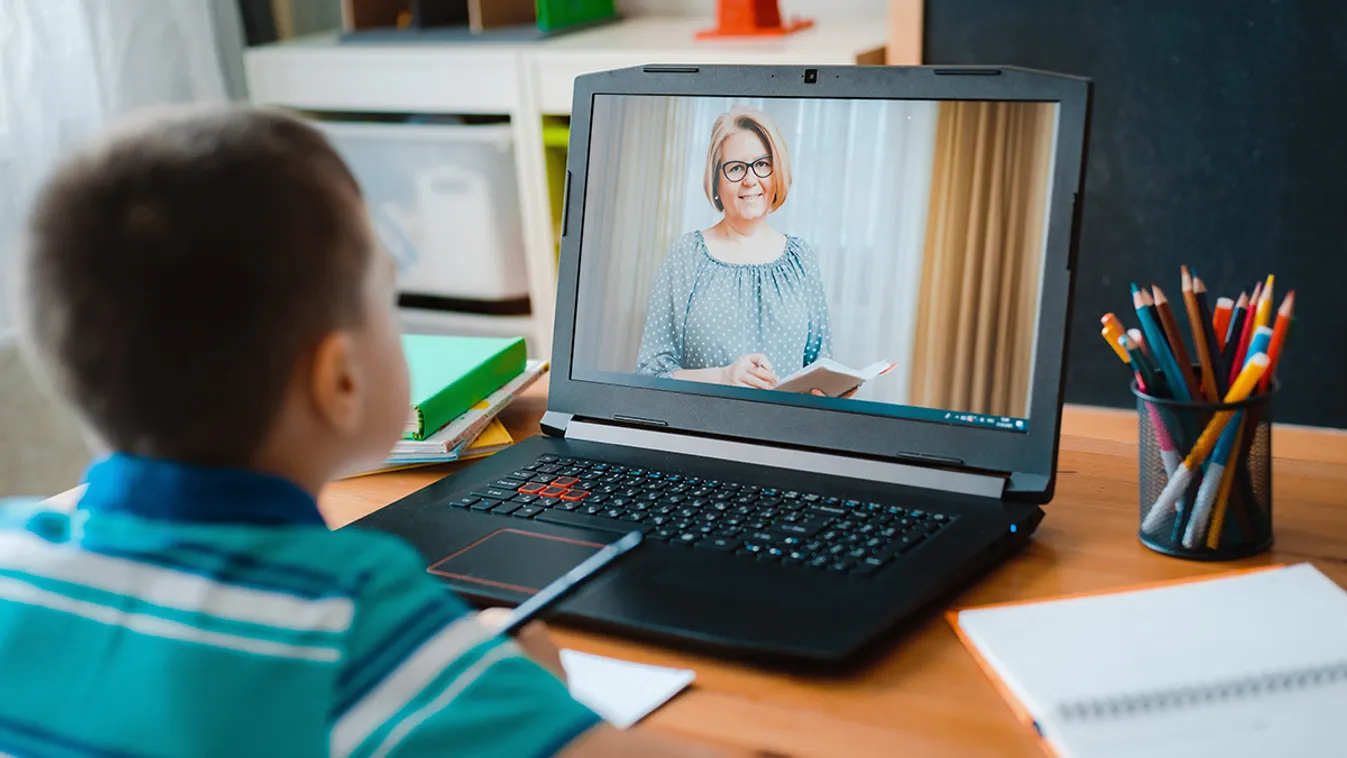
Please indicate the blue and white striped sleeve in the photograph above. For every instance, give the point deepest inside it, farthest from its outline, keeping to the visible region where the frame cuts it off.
(424, 678)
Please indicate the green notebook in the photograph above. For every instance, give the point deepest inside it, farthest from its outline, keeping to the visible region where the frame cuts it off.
(449, 375)
(559, 14)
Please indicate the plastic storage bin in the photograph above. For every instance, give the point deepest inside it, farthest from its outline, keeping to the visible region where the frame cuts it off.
(444, 202)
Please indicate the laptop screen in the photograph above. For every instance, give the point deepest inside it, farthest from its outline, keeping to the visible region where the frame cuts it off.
(872, 256)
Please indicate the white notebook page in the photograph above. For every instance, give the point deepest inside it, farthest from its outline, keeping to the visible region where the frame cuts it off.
(1058, 653)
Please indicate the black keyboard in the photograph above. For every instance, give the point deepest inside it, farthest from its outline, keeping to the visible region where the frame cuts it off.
(805, 529)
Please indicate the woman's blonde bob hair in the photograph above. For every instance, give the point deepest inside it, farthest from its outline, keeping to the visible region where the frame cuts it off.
(740, 119)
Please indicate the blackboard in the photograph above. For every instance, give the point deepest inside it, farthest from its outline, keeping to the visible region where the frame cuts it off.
(1219, 140)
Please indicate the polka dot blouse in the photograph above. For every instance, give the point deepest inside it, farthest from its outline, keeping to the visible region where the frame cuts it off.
(704, 312)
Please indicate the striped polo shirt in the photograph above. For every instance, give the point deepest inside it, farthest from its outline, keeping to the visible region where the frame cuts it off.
(192, 611)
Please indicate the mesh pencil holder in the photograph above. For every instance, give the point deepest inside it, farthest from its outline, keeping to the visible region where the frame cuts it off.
(1224, 507)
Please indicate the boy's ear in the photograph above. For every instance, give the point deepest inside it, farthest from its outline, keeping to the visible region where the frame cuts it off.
(335, 383)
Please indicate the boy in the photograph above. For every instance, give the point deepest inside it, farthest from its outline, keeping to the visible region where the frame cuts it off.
(205, 290)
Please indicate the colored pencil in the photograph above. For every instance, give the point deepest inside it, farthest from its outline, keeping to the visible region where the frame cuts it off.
(1178, 483)
(1262, 340)
(1243, 481)
(1209, 335)
(1234, 331)
(1169, 452)
(1155, 337)
(1220, 320)
(1285, 315)
(1211, 484)
(1196, 324)
(1264, 310)
(1241, 352)
(1140, 340)
(1148, 379)
(1223, 494)
(1175, 337)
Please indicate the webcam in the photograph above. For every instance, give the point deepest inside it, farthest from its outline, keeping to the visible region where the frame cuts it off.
(810, 75)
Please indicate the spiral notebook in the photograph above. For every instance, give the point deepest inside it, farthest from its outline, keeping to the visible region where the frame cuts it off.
(1247, 664)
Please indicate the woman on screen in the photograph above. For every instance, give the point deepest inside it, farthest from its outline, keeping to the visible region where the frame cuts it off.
(738, 303)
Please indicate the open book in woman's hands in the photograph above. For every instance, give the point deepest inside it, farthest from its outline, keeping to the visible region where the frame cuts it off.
(832, 378)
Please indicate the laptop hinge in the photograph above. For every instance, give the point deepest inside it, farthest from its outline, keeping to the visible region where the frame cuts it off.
(832, 464)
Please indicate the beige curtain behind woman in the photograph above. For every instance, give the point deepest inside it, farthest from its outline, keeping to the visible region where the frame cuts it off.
(983, 257)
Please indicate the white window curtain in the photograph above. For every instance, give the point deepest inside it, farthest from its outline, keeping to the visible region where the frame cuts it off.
(862, 179)
(68, 67)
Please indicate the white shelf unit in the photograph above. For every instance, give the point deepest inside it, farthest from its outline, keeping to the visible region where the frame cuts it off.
(524, 81)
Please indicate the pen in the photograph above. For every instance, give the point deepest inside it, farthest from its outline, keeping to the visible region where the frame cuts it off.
(1212, 481)
(1130, 353)
(1223, 494)
(1116, 342)
(1239, 390)
(548, 596)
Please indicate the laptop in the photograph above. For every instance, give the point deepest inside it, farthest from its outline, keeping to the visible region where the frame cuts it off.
(810, 339)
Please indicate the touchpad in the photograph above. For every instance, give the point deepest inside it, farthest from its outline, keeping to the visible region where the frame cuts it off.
(516, 560)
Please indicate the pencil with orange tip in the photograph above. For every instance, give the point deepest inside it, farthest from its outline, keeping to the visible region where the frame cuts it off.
(1284, 316)
(1175, 339)
(1220, 319)
(1183, 475)
(1197, 325)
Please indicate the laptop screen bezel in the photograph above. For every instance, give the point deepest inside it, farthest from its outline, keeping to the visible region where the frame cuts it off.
(1027, 457)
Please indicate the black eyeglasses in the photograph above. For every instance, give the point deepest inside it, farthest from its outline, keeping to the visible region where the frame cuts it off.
(737, 170)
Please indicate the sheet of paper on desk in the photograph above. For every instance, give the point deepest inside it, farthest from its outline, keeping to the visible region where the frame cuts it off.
(66, 500)
(622, 693)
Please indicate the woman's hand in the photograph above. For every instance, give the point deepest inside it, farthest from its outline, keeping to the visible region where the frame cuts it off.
(533, 639)
(752, 370)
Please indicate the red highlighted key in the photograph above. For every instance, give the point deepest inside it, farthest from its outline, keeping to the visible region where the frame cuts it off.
(564, 481)
(575, 495)
(532, 488)
(553, 492)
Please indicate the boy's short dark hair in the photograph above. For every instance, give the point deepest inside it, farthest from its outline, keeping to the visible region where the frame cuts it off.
(177, 271)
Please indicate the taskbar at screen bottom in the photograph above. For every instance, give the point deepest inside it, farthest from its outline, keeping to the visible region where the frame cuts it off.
(890, 410)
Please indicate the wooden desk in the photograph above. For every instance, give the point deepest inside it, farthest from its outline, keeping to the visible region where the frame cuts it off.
(927, 697)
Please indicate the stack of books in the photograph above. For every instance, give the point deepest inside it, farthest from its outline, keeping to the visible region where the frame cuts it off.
(458, 387)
